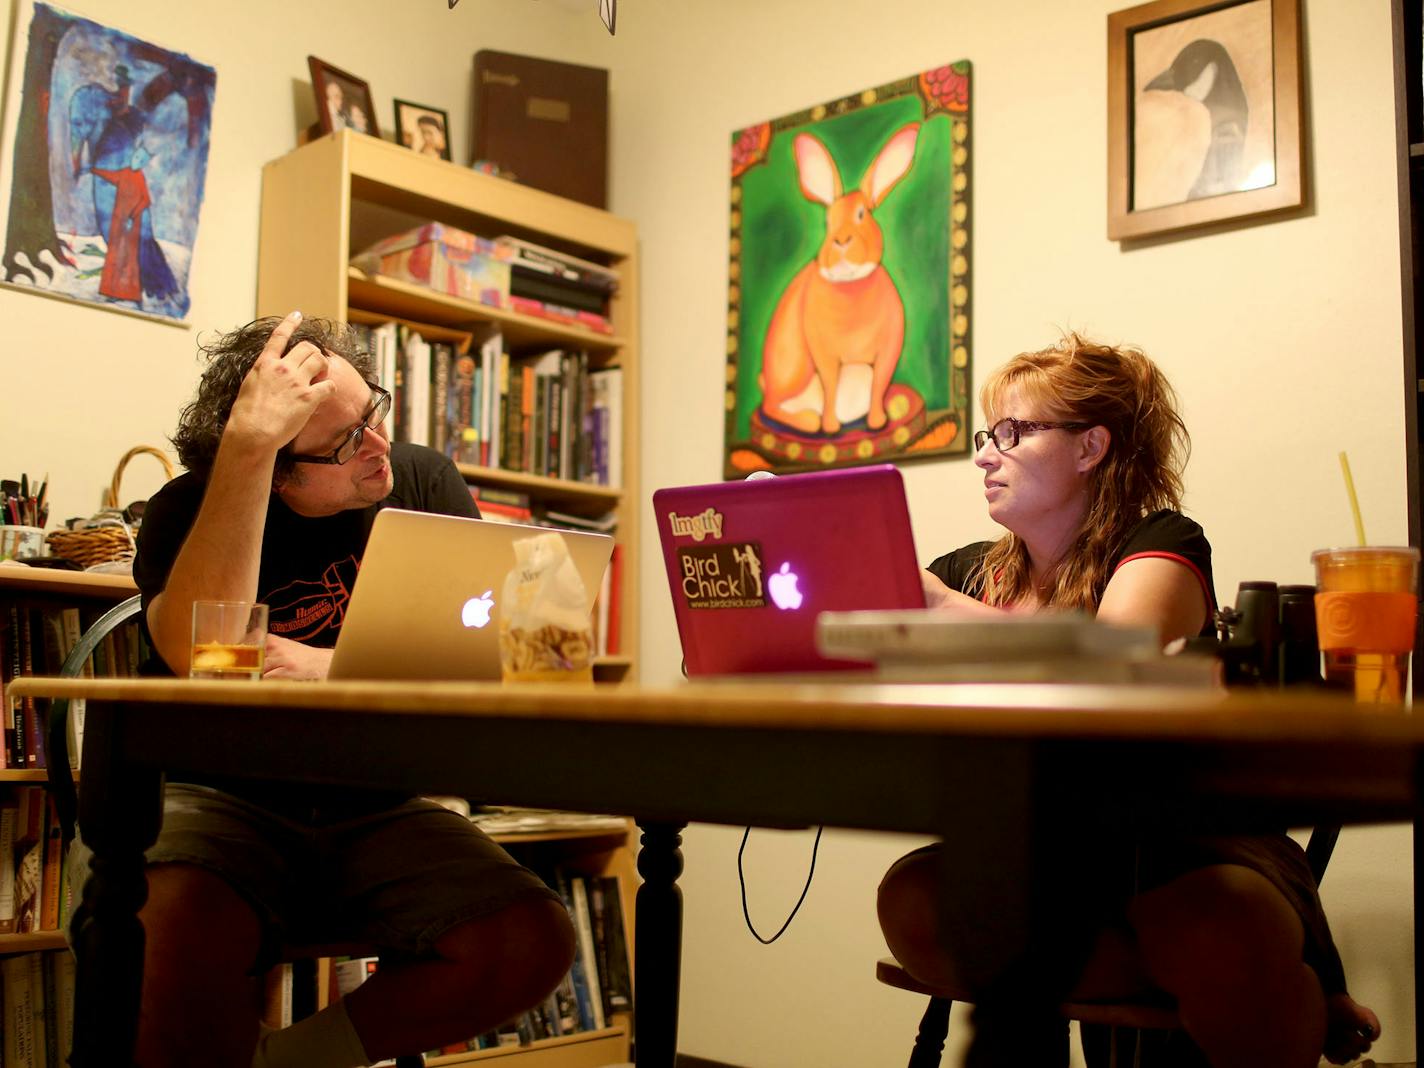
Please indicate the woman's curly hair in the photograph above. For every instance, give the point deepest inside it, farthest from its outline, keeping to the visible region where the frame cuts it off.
(1117, 387)
(230, 357)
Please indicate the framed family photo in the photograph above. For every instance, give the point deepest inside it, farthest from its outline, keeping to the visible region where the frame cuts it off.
(343, 101)
(423, 128)
(1203, 114)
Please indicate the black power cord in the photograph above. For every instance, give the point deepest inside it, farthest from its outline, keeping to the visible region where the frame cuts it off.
(742, 880)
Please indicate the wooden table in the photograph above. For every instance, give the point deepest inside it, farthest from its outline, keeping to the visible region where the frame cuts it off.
(1004, 774)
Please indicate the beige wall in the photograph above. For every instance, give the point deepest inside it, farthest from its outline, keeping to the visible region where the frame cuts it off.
(1282, 338)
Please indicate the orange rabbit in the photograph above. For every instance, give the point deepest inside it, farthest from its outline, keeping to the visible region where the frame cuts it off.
(837, 331)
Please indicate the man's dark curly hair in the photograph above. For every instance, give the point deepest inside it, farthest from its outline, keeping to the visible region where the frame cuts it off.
(230, 357)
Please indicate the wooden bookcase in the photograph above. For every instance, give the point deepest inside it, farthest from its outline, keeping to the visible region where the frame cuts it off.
(93, 594)
(329, 199)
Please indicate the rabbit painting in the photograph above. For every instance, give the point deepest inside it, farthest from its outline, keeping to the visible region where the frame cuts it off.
(837, 331)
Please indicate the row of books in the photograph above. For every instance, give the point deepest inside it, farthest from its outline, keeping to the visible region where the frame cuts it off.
(506, 272)
(546, 413)
(34, 887)
(513, 506)
(554, 285)
(35, 639)
(37, 992)
(597, 988)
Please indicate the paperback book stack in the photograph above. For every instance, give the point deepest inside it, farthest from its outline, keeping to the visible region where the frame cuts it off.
(555, 285)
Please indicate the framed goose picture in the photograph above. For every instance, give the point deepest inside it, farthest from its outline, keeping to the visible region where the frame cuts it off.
(1203, 114)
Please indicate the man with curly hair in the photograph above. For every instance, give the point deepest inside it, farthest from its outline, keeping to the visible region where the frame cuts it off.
(288, 462)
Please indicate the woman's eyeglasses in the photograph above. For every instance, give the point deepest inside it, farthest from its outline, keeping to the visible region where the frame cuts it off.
(351, 444)
(1006, 432)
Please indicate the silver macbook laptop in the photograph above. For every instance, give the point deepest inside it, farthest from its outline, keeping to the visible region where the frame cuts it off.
(426, 600)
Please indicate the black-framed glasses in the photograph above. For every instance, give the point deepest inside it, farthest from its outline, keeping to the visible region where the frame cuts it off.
(1006, 432)
(351, 444)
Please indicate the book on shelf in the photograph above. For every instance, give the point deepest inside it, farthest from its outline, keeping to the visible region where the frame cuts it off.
(9, 824)
(590, 1012)
(583, 928)
(536, 285)
(277, 996)
(60, 1002)
(605, 906)
(21, 1042)
(28, 858)
(599, 524)
(494, 819)
(528, 256)
(613, 641)
(543, 122)
(52, 865)
(561, 313)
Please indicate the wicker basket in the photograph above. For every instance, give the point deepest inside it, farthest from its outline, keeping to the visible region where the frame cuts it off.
(105, 538)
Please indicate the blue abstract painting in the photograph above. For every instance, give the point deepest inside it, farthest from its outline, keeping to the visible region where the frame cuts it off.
(107, 139)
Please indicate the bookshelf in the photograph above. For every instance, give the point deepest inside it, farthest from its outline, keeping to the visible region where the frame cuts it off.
(602, 851)
(92, 594)
(336, 195)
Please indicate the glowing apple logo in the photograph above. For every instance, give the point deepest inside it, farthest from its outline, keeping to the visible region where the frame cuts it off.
(476, 612)
(784, 593)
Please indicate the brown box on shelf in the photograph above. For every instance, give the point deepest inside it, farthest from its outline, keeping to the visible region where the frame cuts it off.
(445, 259)
(544, 123)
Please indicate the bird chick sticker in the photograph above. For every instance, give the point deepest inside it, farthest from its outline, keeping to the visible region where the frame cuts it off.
(722, 576)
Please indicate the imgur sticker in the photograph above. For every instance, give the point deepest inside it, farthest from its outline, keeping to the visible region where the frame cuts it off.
(722, 576)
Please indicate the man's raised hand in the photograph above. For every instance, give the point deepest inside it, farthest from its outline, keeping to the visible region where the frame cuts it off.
(282, 389)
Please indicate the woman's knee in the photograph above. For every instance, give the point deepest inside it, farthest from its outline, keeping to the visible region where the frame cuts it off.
(1226, 912)
(909, 909)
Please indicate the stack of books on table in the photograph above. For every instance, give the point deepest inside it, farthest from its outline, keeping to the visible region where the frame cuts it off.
(555, 285)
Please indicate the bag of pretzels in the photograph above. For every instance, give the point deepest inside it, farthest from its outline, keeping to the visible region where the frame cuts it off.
(545, 633)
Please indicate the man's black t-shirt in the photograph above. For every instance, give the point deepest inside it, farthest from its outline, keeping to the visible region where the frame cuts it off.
(307, 569)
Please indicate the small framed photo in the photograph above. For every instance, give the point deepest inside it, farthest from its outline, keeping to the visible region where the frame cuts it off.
(343, 101)
(423, 129)
(1203, 113)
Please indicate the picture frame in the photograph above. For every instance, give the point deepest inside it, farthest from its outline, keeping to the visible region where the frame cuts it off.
(343, 101)
(103, 165)
(423, 129)
(802, 394)
(1204, 105)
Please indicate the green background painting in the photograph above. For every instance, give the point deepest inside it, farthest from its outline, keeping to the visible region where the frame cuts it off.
(777, 230)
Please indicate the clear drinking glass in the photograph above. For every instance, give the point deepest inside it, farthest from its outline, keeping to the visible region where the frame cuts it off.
(229, 639)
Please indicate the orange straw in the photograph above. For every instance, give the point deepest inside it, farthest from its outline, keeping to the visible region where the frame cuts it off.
(1354, 501)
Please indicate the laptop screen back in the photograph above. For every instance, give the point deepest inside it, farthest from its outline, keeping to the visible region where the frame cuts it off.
(426, 604)
(750, 564)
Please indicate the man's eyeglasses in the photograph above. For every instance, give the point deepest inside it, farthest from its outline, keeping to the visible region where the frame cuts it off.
(1005, 433)
(351, 444)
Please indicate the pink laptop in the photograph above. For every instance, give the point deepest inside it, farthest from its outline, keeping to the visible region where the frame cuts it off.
(751, 564)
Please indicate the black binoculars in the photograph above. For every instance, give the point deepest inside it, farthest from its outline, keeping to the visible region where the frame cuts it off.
(1268, 637)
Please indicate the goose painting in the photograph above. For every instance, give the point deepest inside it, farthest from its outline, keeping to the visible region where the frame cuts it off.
(1203, 122)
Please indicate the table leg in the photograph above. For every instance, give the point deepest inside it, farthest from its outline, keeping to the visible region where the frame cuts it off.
(1418, 828)
(120, 810)
(658, 946)
(1017, 908)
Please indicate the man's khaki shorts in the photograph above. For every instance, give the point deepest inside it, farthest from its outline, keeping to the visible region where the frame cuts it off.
(396, 879)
